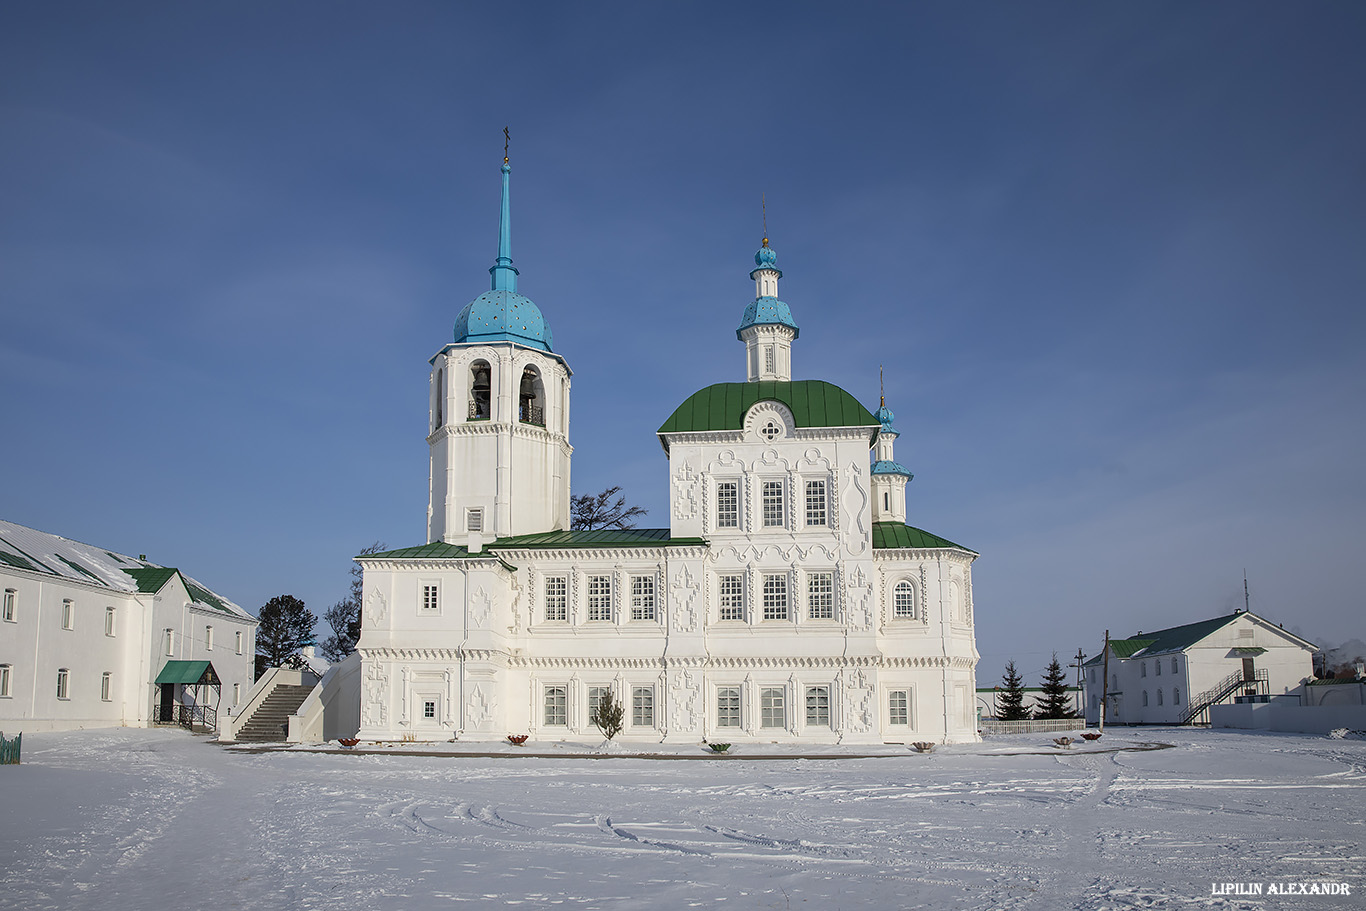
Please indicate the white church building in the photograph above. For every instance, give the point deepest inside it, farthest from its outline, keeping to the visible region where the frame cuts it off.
(787, 601)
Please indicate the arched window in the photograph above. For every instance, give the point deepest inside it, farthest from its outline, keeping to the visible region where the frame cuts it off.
(480, 389)
(63, 683)
(1157, 666)
(531, 399)
(1159, 697)
(1176, 696)
(1142, 668)
(1176, 668)
(110, 621)
(1145, 697)
(903, 601)
(438, 418)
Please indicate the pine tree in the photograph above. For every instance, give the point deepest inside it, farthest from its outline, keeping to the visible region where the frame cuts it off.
(1056, 701)
(609, 716)
(1010, 696)
(286, 627)
(344, 616)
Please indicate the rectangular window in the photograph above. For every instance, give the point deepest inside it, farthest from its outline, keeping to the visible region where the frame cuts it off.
(728, 707)
(236, 694)
(238, 636)
(8, 612)
(772, 707)
(599, 597)
(816, 503)
(818, 706)
(106, 685)
(4, 681)
(643, 707)
(68, 615)
(429, 709)
(775, 597)
(556, 598)
(820, 596)
(556, 706)
(773, 504)
(728, 504)
(642, 597)
(899, 707)
(110, 624)
(732, 595)
(431, 602)
(595, 696)
(63, 683)
(474, 519)
(208, 638)
(170, 643)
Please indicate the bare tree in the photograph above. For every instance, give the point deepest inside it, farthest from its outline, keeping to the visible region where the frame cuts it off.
(344, 616)
(594, 511)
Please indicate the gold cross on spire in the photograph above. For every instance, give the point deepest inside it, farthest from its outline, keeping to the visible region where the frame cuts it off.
(506, 139)
(763, 204)
(881, 390)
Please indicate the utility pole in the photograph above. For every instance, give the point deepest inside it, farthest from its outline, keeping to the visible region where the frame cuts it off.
(1105, 681)
(1081, 659)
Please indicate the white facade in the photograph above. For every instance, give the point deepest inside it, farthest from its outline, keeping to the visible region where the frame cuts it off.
(85, 632)
(1159, 677)
(779, 604)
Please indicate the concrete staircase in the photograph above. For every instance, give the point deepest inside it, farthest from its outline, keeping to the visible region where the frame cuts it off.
(271, 719)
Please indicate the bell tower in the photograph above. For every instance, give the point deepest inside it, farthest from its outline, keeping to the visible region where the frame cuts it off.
(499, 415)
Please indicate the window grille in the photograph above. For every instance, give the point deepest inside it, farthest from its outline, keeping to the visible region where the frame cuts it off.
(596, 694)
(63, 683)
(818, 706)
(474, 519)
(773, 504)
(899, 707)
(728, 504)
(643, 707)
(816, 503)
(732, 596)
(8, 610)
(110, 626)
(642, 597)
(599, 597)
(820, 596)
(772, 707)
(556, 598)
(775, 597)
(903, 601)
(106, 685)
(556, 706)
(68, 615)
(728, 707)
(430, 599)
(4, 680)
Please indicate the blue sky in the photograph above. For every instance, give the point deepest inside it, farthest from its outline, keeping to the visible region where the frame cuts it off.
(1109, 254)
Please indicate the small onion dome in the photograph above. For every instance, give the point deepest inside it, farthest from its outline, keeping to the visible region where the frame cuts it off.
(767, 311)
(884, 466)
(503, 316)
(765, 258)
(884, 416)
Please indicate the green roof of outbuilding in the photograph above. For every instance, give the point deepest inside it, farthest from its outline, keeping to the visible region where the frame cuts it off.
(150, 579)
(1123, 648)
(548, 540)
(1172, 639)
(889, 535)
(813, 403)
(187, 672)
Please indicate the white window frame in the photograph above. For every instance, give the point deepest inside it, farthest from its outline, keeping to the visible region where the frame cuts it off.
(818, 706)
(106, 687)
(903, 600)
(237, 694)
(474, 519)
(729, 713)
(593, 695)
(728, 504)
(730, 594)
(430, 708)
(68, 614)
(63, 683)
(599, 594)
(555, 705)
(5, 674)
(208, 638)
(820, 595)
(899, 707)
(773, 708)
(817, 504)
(429, 599)
(643, 598)
(556, 599)
(111, 624)
(775, 597)
(642, 706)
(10, 611)
(169, 642)
(239, 640)
(773, 510)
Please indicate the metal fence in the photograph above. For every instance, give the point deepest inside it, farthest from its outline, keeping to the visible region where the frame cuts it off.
(1032, 727)
(9, 749)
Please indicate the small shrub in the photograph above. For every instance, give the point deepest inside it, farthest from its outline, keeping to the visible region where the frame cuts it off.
(719, 747)
(609, 716)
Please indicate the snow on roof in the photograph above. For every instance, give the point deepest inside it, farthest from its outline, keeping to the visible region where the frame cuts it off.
(52, 555)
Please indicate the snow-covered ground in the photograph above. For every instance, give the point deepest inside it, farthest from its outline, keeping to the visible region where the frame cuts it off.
(159, 819)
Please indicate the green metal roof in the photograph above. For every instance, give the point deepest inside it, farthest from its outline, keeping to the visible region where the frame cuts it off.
(1178, 637)
(187, 672)
(1249, 651)
(150, 579)
(889, 535)
(1123, 648)
(1333, 681)
(548, 540)
(813, 403)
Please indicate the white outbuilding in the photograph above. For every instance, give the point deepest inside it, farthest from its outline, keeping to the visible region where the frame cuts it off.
(788, 599)
(93, 638)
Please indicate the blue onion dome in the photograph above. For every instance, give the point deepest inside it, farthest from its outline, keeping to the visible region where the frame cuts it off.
(884, 416)
(767, 311)
(765, 258)
(886, 466)
(503, 316)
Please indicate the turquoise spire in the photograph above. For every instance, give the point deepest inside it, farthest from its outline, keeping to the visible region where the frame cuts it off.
(504, 272)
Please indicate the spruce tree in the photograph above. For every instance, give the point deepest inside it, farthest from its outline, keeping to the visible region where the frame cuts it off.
(1056, 702)
(609, 716)
(1010, 696)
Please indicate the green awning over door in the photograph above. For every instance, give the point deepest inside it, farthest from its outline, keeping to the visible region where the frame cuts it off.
(188, 672)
